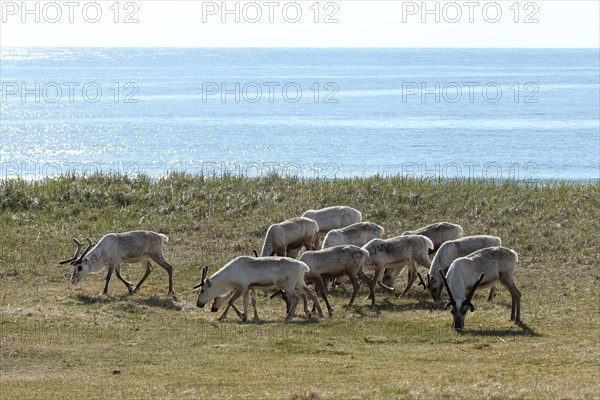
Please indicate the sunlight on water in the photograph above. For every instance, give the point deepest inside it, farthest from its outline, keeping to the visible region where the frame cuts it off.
(430, 113)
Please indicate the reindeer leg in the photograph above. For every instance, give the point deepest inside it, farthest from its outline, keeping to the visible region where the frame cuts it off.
(305, 305)
(146, 274)
(378, 276)
(291, 297)
(255, 319)
(223, 317)
(127, 283)
(234, 297)
(108, 275)
(288, 301)
(160, 260)
(516, 304)
(412, 273)
(355, 288)
(306, 291)
(245, 299)
(361, 274)
(321, 287)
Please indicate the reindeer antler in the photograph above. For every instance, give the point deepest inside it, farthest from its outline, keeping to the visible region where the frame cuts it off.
(90, 245)
(204, 272)
(467, 302)
(451, 302)
(76, 255)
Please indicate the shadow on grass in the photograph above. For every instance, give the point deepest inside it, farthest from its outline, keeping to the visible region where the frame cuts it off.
(525, 331)
(100, 299)
(154, 301)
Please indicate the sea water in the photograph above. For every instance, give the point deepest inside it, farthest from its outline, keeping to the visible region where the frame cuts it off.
(527, 114)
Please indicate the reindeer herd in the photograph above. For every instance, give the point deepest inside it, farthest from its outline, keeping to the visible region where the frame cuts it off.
(350, 250)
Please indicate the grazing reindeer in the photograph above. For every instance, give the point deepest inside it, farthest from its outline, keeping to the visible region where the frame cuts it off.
(333, 262)
(335, 217)
(438, 233)
(287, 238)
(245, 273)
(396, 253)
(450, 251)
(115, 249)
(484, 267)
(220, 300)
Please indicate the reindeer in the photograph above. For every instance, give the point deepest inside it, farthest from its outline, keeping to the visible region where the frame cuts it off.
(115, 249)
(245, 273)
(450, 251)
(333, 262)
(482, 268)
(438, 233)
(396, 253)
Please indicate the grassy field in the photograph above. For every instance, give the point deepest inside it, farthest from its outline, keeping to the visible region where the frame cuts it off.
(59, 341)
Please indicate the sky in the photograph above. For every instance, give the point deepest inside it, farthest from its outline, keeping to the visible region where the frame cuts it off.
(301, 23)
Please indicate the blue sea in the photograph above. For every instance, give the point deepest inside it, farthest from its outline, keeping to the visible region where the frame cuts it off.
(527, 114)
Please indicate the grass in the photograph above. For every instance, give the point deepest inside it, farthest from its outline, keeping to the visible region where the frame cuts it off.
(59, 341)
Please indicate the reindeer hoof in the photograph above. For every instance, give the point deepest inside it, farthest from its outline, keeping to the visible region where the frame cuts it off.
(222, 318)
(136, 289)
(172, 295)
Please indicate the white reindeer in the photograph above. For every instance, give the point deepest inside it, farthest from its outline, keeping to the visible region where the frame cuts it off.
(450, 251)
(245, 273)
(115, 249)
(332, 263)
(335, 217)
(357, 234)
(397, 252)
(438, 233)
(482, 268)
(287, 238)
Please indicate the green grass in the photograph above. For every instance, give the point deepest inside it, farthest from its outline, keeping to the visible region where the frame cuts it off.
(59, 341)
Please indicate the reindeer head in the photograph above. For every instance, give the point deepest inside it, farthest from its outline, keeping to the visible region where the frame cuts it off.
(434, 286)
(207, 293)
(79, 261)
(459, 308)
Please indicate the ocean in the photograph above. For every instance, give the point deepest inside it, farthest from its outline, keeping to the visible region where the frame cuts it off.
(526, 114)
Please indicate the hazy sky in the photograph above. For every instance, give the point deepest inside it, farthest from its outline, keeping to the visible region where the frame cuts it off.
(308, 23)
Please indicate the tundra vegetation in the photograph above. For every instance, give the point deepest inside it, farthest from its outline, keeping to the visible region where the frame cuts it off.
(54, 336)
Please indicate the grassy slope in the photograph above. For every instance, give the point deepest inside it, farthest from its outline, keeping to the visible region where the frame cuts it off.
(63, 341)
